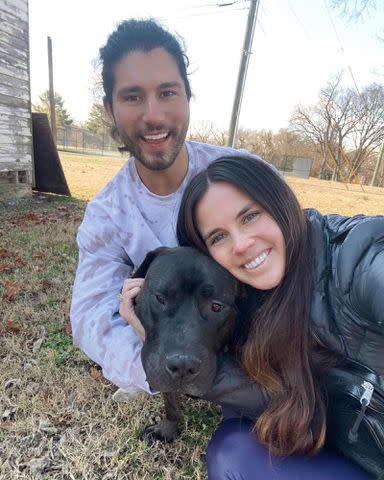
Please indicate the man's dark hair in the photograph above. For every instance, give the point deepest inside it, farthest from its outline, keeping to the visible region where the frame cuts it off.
(140, 35)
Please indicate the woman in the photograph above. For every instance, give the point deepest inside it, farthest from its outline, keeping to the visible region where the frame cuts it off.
(311, 299)
(318, 284)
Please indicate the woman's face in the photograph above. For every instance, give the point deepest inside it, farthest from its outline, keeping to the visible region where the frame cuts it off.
(241, 236)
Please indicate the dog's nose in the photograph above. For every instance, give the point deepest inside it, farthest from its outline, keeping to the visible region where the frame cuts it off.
(182, 366)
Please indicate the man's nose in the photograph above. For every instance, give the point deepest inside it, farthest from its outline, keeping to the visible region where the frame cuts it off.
(241, 243)
(153, 113)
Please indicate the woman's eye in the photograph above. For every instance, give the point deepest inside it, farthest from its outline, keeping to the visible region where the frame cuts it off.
(160, 298)
(216, 307)
(217, 238)
(250, 216)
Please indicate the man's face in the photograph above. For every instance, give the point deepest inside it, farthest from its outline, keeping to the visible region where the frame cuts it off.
(150, 107)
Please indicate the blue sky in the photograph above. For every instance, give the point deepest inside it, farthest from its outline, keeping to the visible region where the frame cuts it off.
(296, 49)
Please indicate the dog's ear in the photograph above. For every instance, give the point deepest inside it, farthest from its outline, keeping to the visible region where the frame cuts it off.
(142, 269)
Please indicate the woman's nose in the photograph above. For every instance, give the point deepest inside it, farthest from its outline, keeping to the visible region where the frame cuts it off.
(241, 243)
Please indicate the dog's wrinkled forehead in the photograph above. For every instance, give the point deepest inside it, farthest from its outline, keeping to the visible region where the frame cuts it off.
(186, 270)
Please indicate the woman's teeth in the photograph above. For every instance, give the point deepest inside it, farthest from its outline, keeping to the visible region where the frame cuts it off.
(258, 260)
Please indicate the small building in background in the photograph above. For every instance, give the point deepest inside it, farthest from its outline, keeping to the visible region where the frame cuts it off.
(16, 148)
(295, 166)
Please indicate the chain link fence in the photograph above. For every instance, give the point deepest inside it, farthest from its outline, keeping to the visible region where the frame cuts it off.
(80, 140)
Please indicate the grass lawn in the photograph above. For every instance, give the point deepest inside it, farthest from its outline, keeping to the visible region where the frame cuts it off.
(86, 175)
(58, 420)
(57, 417)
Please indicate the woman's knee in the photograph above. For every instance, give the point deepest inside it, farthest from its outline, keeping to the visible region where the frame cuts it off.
(234, 452)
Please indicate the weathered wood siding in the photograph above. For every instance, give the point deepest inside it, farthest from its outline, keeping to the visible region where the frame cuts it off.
(15, 111)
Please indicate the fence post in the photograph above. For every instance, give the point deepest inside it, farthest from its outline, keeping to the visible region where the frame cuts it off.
(377, 167)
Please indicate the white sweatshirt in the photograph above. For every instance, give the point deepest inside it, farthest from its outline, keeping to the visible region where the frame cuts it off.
(120, 226)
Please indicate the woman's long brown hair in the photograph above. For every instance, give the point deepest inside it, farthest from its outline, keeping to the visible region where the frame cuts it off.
(279, 352)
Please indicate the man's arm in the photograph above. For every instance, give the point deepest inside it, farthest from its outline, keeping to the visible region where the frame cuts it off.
(98, 329)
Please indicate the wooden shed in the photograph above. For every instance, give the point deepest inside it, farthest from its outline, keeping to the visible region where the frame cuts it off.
(16, 149)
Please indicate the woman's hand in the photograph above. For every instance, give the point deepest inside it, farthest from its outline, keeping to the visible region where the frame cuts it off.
(129, 292)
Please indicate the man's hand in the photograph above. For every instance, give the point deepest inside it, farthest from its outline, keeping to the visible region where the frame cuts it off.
(130, 290)
(233, 388)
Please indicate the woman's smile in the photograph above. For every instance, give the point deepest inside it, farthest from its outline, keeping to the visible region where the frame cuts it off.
(259, 260)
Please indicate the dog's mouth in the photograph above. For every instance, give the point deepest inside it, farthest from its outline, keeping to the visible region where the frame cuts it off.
(195, 388)
(184, 389)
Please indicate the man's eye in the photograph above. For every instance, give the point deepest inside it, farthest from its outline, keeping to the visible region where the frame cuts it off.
(168, 93)
(216, 307)
(160, 298)
(131, 98)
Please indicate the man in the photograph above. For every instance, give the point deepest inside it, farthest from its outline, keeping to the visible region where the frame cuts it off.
(147, 93)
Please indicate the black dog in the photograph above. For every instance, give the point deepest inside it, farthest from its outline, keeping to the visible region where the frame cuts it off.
(188, 309)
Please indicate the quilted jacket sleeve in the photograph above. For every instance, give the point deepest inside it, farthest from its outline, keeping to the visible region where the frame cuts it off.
(366, 331)
(368, 288)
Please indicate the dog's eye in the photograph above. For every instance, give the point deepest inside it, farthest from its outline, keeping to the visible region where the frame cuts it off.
(160, 298)
(216, 307)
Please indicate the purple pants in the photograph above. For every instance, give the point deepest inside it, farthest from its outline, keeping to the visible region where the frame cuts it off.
(234, 453)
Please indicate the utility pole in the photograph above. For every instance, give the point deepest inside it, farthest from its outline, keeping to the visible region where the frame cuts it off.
(379, 164)
(51, 91)
(251, 22)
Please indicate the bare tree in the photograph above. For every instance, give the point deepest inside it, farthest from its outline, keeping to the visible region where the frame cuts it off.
(206, 132)
(348, 127)
(369, 134)
(354, 9)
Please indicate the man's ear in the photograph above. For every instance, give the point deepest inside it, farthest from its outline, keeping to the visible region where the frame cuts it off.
(142, 269)
(108, 109)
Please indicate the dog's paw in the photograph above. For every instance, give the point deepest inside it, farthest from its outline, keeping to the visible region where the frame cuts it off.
(165, 430)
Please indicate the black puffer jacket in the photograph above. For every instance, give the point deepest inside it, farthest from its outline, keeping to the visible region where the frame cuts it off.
(348, 301)
(347, 312)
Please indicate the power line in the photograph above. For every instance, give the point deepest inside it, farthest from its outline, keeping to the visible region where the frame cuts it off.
(299, 21)
(216, 12)
(218, 4)
(341, 46)
(185, 12)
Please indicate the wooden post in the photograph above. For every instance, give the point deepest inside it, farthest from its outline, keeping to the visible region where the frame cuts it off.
(251, 22)
(377, 168)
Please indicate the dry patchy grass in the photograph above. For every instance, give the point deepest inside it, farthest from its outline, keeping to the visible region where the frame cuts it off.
(58, 420)
(336, 197)
(86, 175)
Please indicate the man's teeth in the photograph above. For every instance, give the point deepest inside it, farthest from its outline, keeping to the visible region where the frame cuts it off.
(158, 136)
(258, 260)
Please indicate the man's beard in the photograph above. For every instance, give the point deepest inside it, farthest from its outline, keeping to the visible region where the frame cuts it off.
(158, 160)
